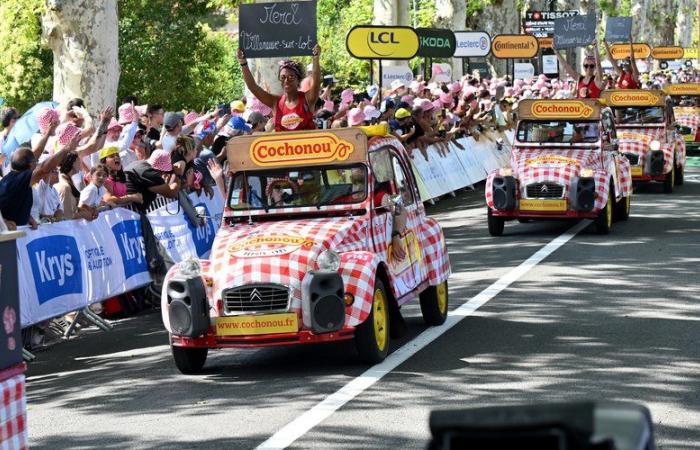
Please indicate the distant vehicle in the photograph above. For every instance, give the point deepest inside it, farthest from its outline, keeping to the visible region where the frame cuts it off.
(647, 135)
(564, 165)
(305, 253)
(686, 108)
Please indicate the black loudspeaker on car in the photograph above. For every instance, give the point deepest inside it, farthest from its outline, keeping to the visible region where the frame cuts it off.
(326, 306)
(188, 308)
(585, 194)
(504, 193)
(656, 162)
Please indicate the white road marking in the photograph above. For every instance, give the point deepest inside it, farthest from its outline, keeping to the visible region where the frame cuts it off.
(321, 411)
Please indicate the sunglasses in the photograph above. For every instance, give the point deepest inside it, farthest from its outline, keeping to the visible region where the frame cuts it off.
(288, 77)
(589, 66)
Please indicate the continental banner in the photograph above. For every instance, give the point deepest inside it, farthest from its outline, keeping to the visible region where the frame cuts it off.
(669, 52)
(622, 51)
(506, 46)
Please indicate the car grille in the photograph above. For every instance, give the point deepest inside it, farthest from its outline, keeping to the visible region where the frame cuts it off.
(545, 190)
(254, 298)
(632, 158)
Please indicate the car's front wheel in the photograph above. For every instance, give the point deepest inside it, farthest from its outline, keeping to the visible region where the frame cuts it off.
(496, 224)
(433, 304)
(372, 335)
(189, 360)
(604, 220)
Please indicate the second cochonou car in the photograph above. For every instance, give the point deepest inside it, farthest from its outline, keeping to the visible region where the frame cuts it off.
(686, 108)
(564, 165)
(647, 136)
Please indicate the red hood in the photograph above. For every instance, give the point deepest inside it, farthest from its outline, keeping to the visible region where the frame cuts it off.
(527, 162)
(637, 140)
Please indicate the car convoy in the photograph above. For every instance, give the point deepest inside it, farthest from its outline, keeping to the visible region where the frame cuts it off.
(686, 108)
(325, 236)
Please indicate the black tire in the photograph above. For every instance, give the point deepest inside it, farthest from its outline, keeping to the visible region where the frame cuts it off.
(189, 360)
(603, 223)
(496, 224)
(522, 220)
(622, 208)
(366, 338)
(670, 180)
(680, 175)
(433, 309)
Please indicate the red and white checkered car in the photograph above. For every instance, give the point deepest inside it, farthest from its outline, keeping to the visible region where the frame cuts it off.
(563, 165)
(307, 251)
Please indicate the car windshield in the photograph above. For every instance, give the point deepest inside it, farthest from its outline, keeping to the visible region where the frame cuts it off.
(639, 114)
(686, 100)
(298, 187)
(563, 131)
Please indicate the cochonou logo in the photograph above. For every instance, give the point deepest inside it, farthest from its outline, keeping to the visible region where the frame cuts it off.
(130, 243)
(56, 267)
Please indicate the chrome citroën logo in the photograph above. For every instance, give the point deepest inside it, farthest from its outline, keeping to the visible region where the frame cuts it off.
(544, 188)
(255, 296)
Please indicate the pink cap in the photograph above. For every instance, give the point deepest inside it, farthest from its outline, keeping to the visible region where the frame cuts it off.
(347, 95)
(407, 99)
(426, 105)
(126, 113)
(446, 99)
(141, 109)
(160, 160)
(456, 87)
(437, 104)
(45, 118)
(191, 117)
(356, 117)
(113, 125)
(371, 112)
(328, 105)
(66, 132)
(258, 106)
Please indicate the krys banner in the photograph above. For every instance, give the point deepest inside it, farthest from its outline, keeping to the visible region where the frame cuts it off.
(380, 42)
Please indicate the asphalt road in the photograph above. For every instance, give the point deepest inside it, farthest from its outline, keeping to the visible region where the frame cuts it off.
(603, 317)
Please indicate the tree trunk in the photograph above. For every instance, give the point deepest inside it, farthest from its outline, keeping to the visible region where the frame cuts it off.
(498, 17)
(684, 25)
(452, 14)
(83, 36)
(654, 21)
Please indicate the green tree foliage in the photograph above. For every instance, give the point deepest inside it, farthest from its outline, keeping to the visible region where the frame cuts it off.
(26, 68)
(169, 57)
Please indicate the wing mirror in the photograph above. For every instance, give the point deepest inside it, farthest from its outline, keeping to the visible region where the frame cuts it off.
(616, 145)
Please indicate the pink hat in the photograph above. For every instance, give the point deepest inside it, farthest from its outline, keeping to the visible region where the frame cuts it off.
(371, 112)
(407, 98)
(508, 92)
(258, 106)
(426, 105)
(191, 117)
(126, 113)
(446, 99)
(45, 118)
(141, 109)
(113, 125)
(328, 105)
(437, 104)
(66, 132)
(160, 160)
(519, 83)
(456, 87)
(347, 95)
(356, 117)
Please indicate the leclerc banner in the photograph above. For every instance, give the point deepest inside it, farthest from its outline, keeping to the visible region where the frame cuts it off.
(472, 43)
(65, 266)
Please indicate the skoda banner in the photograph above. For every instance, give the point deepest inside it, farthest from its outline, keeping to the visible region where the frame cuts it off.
(472, 43)
(380, 42)
(436, 42)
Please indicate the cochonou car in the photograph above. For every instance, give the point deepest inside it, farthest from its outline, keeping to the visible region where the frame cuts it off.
(324, 238)
(647, 135)
(564, 164)
(686, 108)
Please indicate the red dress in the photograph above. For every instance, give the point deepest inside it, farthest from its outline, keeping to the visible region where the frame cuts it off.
(587, 90)
(627, 82)
(294, 119)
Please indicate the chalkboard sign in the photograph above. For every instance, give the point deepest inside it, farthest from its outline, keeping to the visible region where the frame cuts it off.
(576, 31)
(618, 29)
(269, 30)
(436, 42)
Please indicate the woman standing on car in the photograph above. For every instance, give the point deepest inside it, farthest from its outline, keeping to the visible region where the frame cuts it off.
(293, 110)
(591, 84)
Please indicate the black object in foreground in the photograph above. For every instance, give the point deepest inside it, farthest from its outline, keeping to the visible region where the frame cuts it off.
(553, 426)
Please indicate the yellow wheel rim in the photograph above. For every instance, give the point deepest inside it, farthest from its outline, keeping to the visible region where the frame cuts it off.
(629, 203)
(442, 297)
(609, 210)
(673, 175)
(380, 319)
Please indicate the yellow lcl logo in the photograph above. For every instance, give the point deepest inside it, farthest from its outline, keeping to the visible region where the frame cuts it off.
(378, 42)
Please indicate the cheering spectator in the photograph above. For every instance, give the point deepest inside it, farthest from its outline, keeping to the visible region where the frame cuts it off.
(46, 205)
(154, 118)
(591, 83)
(16, 196)
(173, 127)
(68, 194)
(91, 198)
(115, 182)
(8, 118)
(627, 69)
(294, 110)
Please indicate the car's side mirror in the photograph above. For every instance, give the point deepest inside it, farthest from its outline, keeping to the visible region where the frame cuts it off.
(616, 145)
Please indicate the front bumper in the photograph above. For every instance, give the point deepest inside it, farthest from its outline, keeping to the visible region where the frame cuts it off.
(554, 215)
(211, 340)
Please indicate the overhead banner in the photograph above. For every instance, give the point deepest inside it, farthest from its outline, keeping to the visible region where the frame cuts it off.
(392, 73)
(514, 46)
(436, 42)
(668, 52)
(622, 51)
(277, 29)
(541, 23)
(472, 44)
(690, 53)
(65, 266)
(618, 29)
(576, 31)
(380, 42)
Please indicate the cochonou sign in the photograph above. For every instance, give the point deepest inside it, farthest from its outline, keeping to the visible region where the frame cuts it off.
(436, 42)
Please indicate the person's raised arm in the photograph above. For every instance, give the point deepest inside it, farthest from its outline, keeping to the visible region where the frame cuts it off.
(168, 189)
(633, 63)
(312, 94)
(97, 141)
(567, 67)
(40, 146)
(598, 67)
(608, 54)
(262, 95)
(50, 164)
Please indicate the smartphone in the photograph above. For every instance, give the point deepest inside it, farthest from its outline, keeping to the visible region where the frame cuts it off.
(328, 80)
(221, 110)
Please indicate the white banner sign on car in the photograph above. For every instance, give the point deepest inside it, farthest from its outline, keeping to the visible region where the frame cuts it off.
(472, 43)
(401, 72)
(523, 71)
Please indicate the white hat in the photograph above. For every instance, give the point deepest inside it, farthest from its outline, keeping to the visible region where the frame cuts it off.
(397, 84)
(371, 112)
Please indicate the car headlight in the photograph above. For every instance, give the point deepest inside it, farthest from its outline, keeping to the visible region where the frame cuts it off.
(191, 268)
(506, 172)
(328, 260)
(655, 145)
(586, 172)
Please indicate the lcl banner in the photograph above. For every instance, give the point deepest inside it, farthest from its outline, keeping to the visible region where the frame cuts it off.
(380, 42)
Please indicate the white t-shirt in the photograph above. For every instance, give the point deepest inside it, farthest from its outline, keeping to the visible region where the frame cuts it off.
(91, 196)
(45, 200)
(168, 142)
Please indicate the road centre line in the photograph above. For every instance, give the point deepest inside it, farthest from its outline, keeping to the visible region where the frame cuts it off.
(324, 409)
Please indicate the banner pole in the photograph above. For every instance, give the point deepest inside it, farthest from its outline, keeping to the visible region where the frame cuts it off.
(381, 81)
(371, 72)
